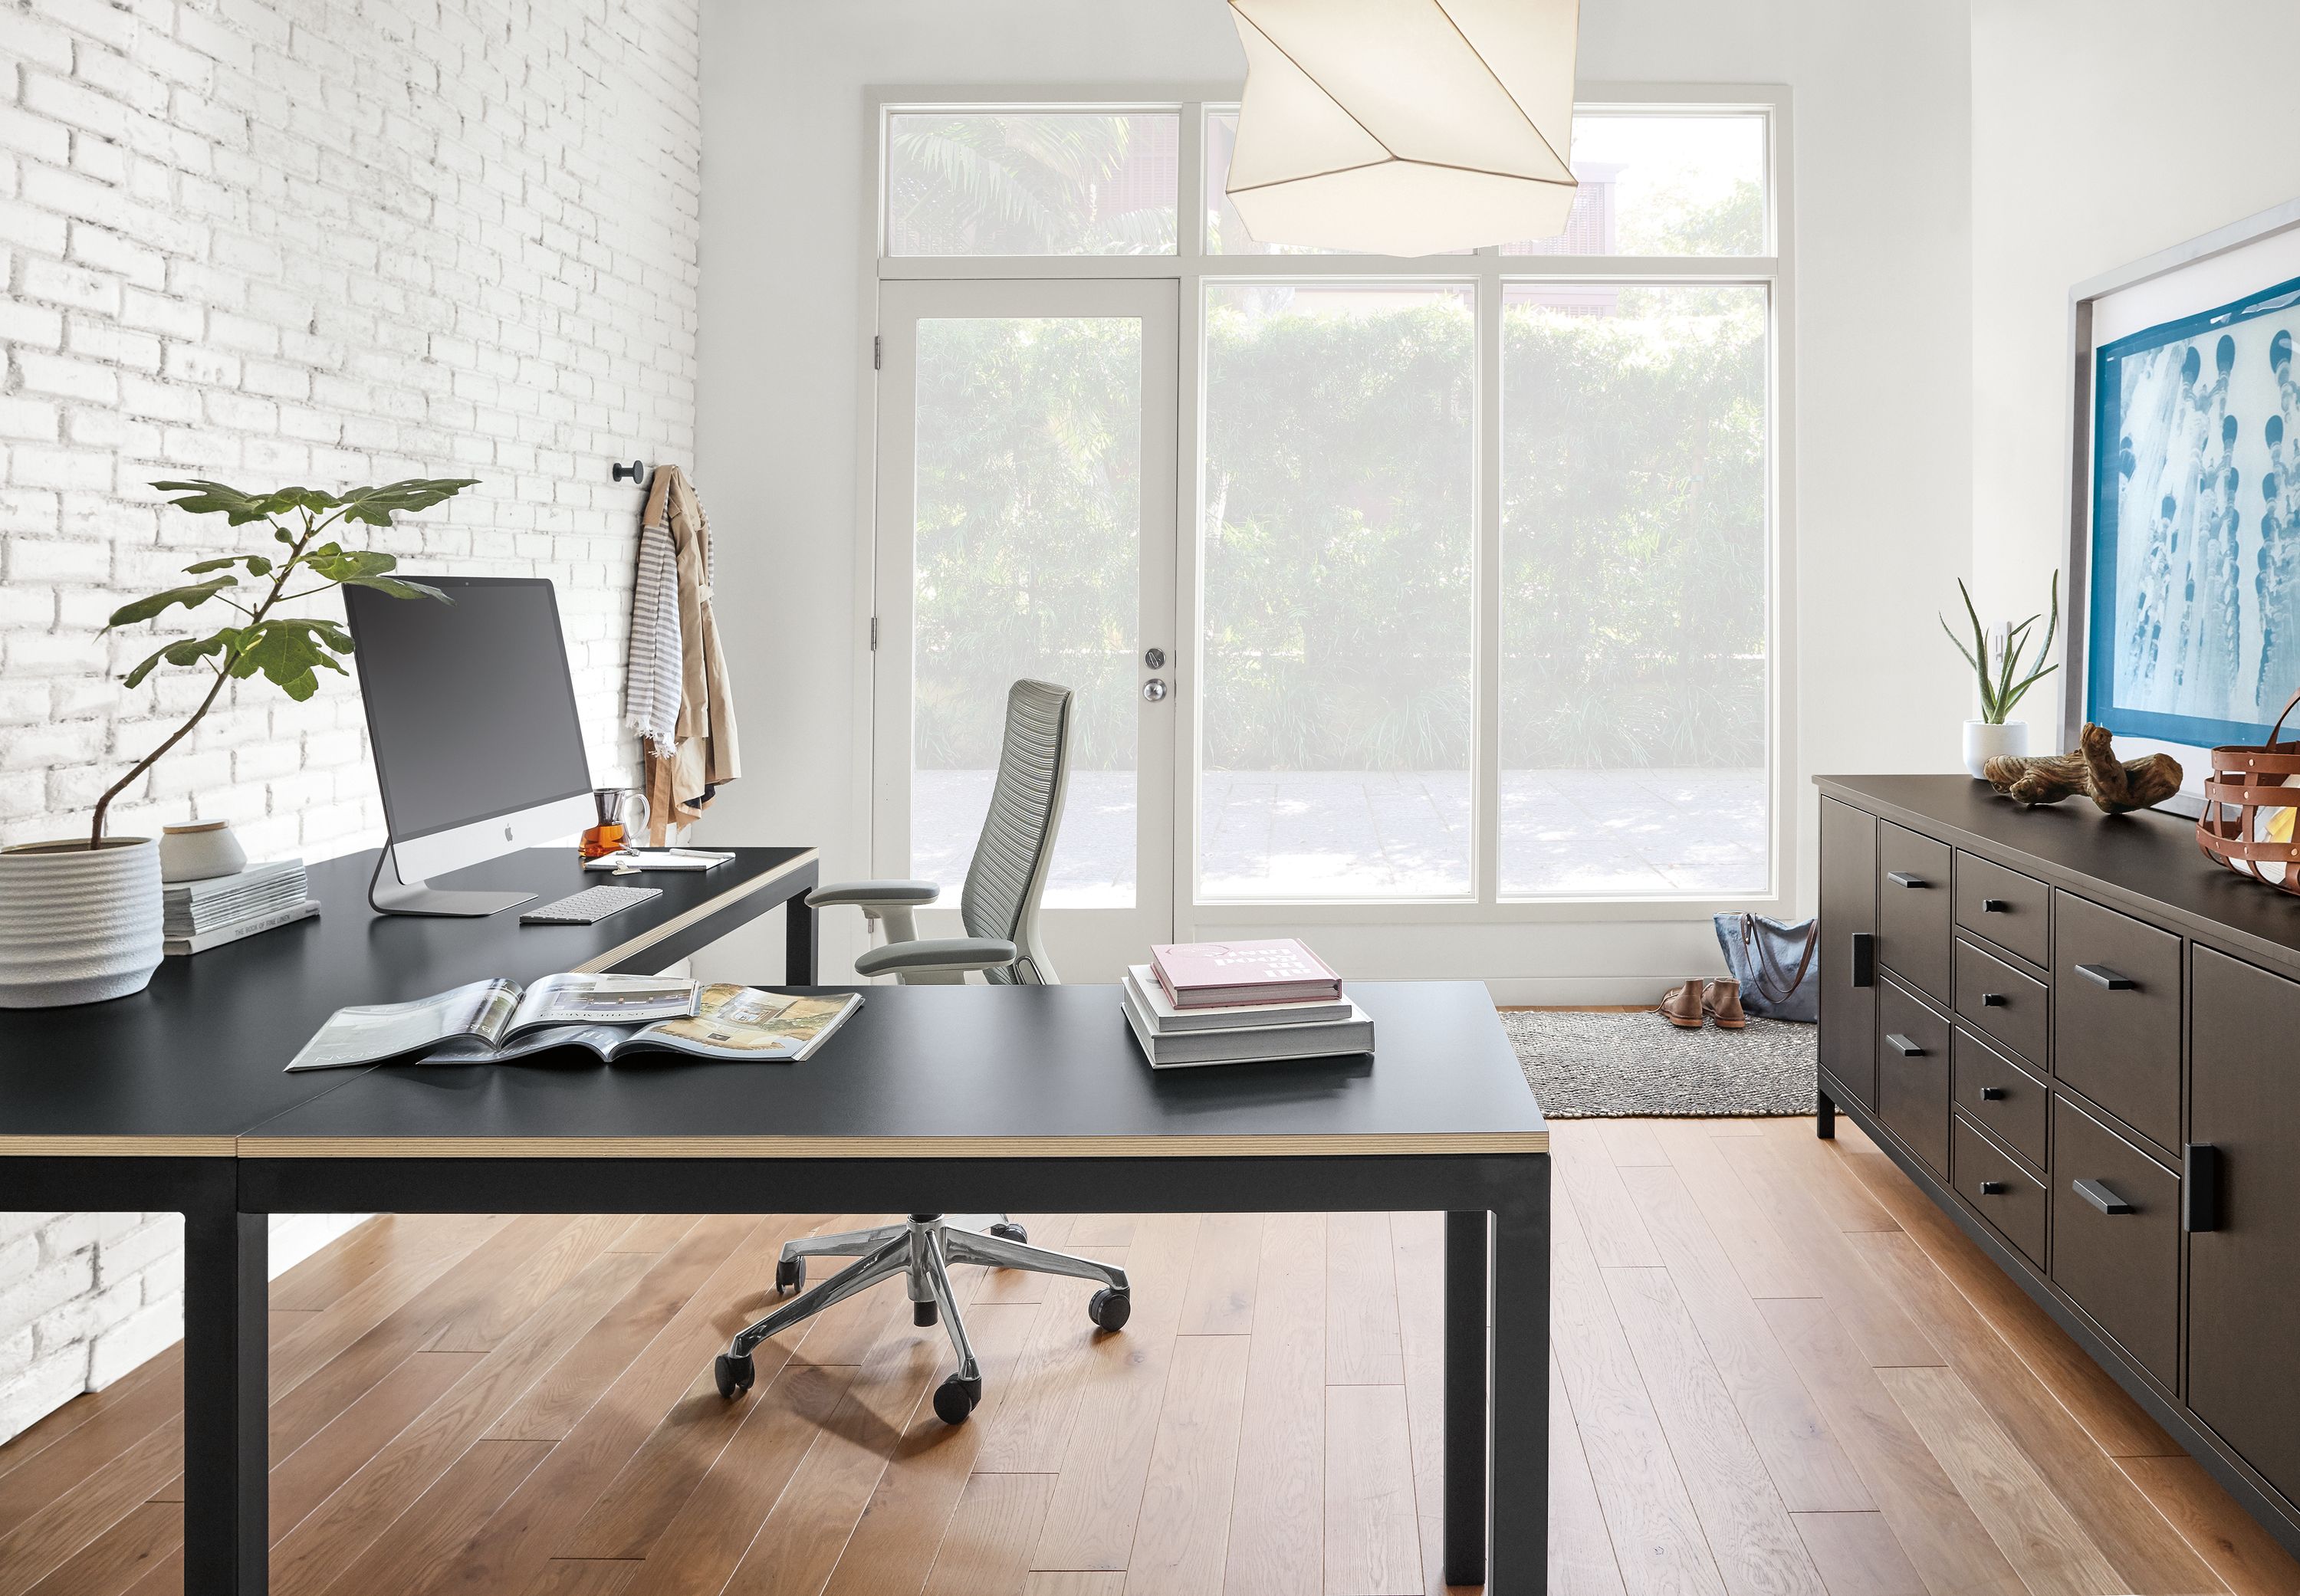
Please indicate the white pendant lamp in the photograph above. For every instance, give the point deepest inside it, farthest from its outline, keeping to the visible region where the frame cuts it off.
(1404, 127)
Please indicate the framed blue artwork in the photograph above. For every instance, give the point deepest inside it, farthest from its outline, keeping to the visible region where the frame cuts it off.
(2193, 633)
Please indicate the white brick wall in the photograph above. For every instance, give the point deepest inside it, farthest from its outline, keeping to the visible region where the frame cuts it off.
(315, 241)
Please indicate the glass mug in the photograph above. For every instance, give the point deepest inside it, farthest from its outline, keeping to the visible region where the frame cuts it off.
(622, 818)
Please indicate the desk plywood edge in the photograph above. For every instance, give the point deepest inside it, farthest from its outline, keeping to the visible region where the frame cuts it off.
(115, 1147)
(695, 916)
(1409, 1145)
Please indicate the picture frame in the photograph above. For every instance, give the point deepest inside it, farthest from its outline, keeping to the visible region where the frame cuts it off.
(2180, 619)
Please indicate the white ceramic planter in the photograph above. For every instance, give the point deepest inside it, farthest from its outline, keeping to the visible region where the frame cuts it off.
(77, 926)
(1984, 742)
(200, 852)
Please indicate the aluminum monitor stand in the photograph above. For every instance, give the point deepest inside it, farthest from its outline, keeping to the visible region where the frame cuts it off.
(389, 894)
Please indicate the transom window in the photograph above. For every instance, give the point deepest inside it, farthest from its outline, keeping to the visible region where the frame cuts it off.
(1473, 579)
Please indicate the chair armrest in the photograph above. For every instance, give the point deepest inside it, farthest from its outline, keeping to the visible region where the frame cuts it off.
(907, 895)
(936, 953)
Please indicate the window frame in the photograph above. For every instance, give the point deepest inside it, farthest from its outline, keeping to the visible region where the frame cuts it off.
(1488, 274)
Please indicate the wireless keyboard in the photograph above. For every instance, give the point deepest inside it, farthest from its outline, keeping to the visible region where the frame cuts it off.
(589, 906)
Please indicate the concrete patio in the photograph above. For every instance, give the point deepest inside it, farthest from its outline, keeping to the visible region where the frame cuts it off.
(1310, 834)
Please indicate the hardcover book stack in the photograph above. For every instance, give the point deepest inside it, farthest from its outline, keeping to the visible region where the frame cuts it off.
(1240, 1003)
(195, 915)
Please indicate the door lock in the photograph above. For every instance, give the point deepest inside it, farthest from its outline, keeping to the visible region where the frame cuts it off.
(1155, 658)
(1154, 689)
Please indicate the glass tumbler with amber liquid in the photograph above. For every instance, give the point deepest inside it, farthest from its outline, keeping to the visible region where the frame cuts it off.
(622, 814)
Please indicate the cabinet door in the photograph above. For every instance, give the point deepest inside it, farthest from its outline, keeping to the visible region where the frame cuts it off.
(2244, 1276)
(1849, 908)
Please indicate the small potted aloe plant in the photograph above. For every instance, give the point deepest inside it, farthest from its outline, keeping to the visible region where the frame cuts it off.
(2000, 659)
(80, 920)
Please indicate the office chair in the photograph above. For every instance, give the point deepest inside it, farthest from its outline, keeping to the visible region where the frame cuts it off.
(999, 907)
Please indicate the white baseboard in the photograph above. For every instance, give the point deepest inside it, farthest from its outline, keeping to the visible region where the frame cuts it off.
(295, 1237)
(1575, 992)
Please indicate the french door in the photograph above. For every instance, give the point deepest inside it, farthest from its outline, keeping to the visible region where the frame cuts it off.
(1026, 527)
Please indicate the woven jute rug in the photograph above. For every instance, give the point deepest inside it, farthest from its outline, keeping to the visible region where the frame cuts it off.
(1610, 1066)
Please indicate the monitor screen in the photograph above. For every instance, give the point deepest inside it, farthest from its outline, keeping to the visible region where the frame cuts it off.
(471, 708)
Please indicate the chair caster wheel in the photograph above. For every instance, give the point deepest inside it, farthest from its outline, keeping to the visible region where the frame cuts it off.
(954, 1399)
(1110, 1309)
(1006, 1230)
(790, 1275)
(734, 1374)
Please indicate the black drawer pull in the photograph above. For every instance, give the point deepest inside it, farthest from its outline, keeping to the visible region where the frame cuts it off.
(1995, 906)
(1907, 878)
(2200, 1187)
(1994, 1000)
(1992, 1094)
(1904, 1046)
(1994, 1188)
(2102, 1198)
(1864, 959)
(2101, 975)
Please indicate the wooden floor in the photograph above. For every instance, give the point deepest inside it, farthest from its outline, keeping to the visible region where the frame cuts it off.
(1778, 1372)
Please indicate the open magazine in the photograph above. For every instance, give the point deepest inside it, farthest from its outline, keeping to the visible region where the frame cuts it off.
(609, 1016)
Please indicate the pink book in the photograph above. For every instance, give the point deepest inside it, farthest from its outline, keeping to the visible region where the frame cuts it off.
(1201, 975)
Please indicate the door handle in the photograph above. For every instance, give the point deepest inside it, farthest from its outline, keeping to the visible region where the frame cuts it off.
(2102, 1198)
(1995, 906)
(1864, 959)
(1994, 1000)
(1153, 690)
(1904, 1046)
(2200, 1187)
(1992, 1094)
(2102, 975)
(1906, 878)
(1994, 1188)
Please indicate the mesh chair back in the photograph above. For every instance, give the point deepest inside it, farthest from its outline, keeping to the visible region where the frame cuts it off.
(1011, 861)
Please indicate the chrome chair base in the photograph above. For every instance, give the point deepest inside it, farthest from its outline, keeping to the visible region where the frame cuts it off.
(921, 1250)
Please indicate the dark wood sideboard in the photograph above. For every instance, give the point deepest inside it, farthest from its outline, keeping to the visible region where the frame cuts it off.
(2082, 1038)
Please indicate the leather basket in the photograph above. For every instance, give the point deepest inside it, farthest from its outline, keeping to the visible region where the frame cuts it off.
(2247, 779)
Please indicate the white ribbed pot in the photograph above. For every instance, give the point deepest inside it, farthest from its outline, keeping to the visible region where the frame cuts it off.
(1984, 740)
(76, 926)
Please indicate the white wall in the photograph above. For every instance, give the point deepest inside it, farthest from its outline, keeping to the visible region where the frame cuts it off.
(1882, 373)
(2101, 133)
(318, 241)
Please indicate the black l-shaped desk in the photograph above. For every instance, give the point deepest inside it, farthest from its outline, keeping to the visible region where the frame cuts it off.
(951, 1098)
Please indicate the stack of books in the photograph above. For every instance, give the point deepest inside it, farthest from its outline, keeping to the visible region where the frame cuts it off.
(1240, 1003)
(195, 915)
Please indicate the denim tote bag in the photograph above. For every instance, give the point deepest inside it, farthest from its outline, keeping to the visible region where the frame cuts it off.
(1777, 964)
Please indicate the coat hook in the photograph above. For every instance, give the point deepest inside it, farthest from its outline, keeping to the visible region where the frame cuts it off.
(634, 472)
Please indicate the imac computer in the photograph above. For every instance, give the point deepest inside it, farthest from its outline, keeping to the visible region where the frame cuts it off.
(470, 715)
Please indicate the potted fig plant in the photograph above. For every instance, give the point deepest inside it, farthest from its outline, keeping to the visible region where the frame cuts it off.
(79, 920)
(2007, 672)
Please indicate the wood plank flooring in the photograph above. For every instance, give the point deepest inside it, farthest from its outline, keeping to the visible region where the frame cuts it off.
(1776, 1372)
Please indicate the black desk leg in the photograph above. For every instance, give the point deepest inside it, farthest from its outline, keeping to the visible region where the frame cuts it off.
(799, 943)
(1469, 1360)
(1521, 1546)
(1824, 1117)
(227, 1370)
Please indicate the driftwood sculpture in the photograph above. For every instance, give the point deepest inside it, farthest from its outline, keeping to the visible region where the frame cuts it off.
(2092, 769)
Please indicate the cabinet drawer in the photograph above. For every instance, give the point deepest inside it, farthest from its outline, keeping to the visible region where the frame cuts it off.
(2007, 908)
(1913, 911)
(2003, 1003)
(2001, 1191)
(2000, 1096)
(2122, 1263)
(2118, 1038)
(1913, 1073)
